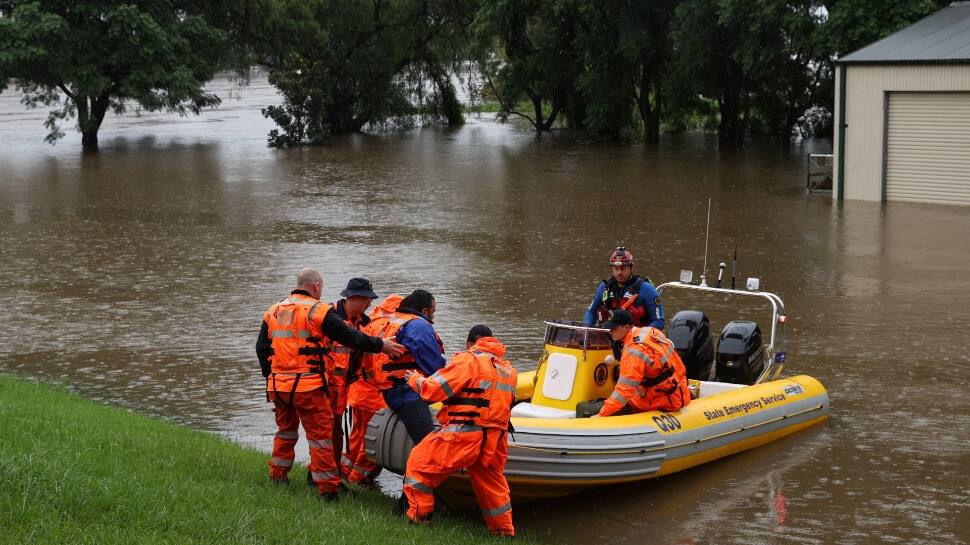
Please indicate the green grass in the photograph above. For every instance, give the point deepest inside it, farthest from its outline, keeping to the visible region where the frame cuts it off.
(75, 471)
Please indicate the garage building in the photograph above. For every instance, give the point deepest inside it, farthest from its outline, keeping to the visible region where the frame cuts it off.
(903, 114)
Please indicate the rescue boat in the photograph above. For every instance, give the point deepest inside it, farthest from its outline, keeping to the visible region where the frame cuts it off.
(738, 403)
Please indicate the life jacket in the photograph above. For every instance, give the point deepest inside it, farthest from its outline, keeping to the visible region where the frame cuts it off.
(300, 350)
(383, 370)
(615, 297)
(360, 370)
(487, 400)
(664, 384)
(339, 366)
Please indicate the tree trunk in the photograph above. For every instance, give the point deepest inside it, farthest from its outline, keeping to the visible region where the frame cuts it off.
(729, 130)
(653, 130)
(449, 99)
(643, 101)
(575, 111)
(90, 115)
(537, 107)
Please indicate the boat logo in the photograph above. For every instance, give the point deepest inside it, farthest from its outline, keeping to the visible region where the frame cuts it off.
(794, 390)
(554, 374)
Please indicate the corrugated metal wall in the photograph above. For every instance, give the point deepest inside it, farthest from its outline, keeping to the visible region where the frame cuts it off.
(864, 109)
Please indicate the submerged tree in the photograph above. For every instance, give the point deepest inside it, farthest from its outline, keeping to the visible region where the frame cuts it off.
(527, 56)
(84, 58)
(625, 47)
(342, 65)
(776, 52)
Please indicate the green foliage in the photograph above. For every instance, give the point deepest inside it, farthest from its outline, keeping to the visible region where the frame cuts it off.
(854, 24)
(526, 54)
(610, 68)
(84, 58)
(74, 471)
(777, 58)
(342, 65)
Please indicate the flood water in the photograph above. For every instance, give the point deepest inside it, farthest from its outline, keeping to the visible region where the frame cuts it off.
(138, 275)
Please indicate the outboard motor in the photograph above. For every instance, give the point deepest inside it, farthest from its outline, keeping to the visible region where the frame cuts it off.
(740, 358)
(690, 331)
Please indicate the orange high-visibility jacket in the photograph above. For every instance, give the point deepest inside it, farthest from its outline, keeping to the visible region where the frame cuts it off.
(477, 386)
(300, 354)
(381, 368)
(652, 377)
(363, 394)
(340, 357)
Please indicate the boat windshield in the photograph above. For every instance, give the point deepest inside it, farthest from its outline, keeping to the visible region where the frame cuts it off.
(571, 334)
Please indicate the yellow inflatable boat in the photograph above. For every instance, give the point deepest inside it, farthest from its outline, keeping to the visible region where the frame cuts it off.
(739, 403)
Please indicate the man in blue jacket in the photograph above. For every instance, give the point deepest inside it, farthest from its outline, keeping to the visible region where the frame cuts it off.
(427, 350)
(627, 291)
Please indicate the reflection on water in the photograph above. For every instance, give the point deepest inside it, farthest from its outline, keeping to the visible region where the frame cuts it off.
(138, 275)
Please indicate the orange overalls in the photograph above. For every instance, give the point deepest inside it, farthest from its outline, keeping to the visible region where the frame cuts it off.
(477, 388)
(297, 388)
(652, 377)
(337, 369)
(365, 399)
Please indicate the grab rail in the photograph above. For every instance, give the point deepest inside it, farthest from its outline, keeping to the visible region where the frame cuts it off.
(778, 317)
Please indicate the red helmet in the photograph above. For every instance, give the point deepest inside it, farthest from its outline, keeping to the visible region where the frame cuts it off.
(621, 256)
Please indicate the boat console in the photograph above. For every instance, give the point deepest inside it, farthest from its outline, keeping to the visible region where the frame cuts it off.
(577, 363)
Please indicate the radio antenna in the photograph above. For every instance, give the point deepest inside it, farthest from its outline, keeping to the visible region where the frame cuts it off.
(734, 266)
(707, 238)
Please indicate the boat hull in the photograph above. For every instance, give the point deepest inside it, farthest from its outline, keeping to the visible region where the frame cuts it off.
(550, 457)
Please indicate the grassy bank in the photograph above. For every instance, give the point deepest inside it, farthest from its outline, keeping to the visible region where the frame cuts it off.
(74, 471)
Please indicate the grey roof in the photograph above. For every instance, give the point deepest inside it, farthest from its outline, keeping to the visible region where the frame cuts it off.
(943, 37)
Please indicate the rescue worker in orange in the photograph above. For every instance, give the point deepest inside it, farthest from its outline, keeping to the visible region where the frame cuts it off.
(410, 325)
(293, 353)
(365, 399)
(357, 297)
(652, 377)
(477, 388)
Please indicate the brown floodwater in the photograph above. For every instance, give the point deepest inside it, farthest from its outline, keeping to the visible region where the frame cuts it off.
(138, 276)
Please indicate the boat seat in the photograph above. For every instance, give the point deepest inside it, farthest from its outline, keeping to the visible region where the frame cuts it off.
(710, 388)
(531, 410)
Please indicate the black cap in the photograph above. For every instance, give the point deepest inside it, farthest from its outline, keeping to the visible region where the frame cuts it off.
(617, 318)
(477, 332)
(359, 286)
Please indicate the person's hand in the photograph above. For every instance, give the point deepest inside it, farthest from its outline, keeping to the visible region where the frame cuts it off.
(410, 373)
(392, 348)
(597, 415)
(609, 360)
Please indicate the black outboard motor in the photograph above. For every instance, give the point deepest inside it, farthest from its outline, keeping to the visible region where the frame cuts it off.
(740, 358)
(690, 331)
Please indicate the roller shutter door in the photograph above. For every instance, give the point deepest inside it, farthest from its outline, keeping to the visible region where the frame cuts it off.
(928, 148)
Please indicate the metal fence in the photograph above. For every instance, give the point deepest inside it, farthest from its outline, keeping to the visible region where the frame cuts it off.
(818, 175)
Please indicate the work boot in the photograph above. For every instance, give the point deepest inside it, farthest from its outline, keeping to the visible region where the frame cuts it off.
(367, 484)
(401, 507)
(309, 479)
(421, 520)
(330, 497)
(279, 480)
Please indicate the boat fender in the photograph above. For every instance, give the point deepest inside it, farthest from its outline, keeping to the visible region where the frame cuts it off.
(586, 409)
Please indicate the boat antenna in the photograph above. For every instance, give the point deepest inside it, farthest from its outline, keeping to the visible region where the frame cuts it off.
(706, 240)
(734, 266)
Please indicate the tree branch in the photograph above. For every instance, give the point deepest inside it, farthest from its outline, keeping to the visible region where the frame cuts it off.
(69, 94)
(502, 104)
